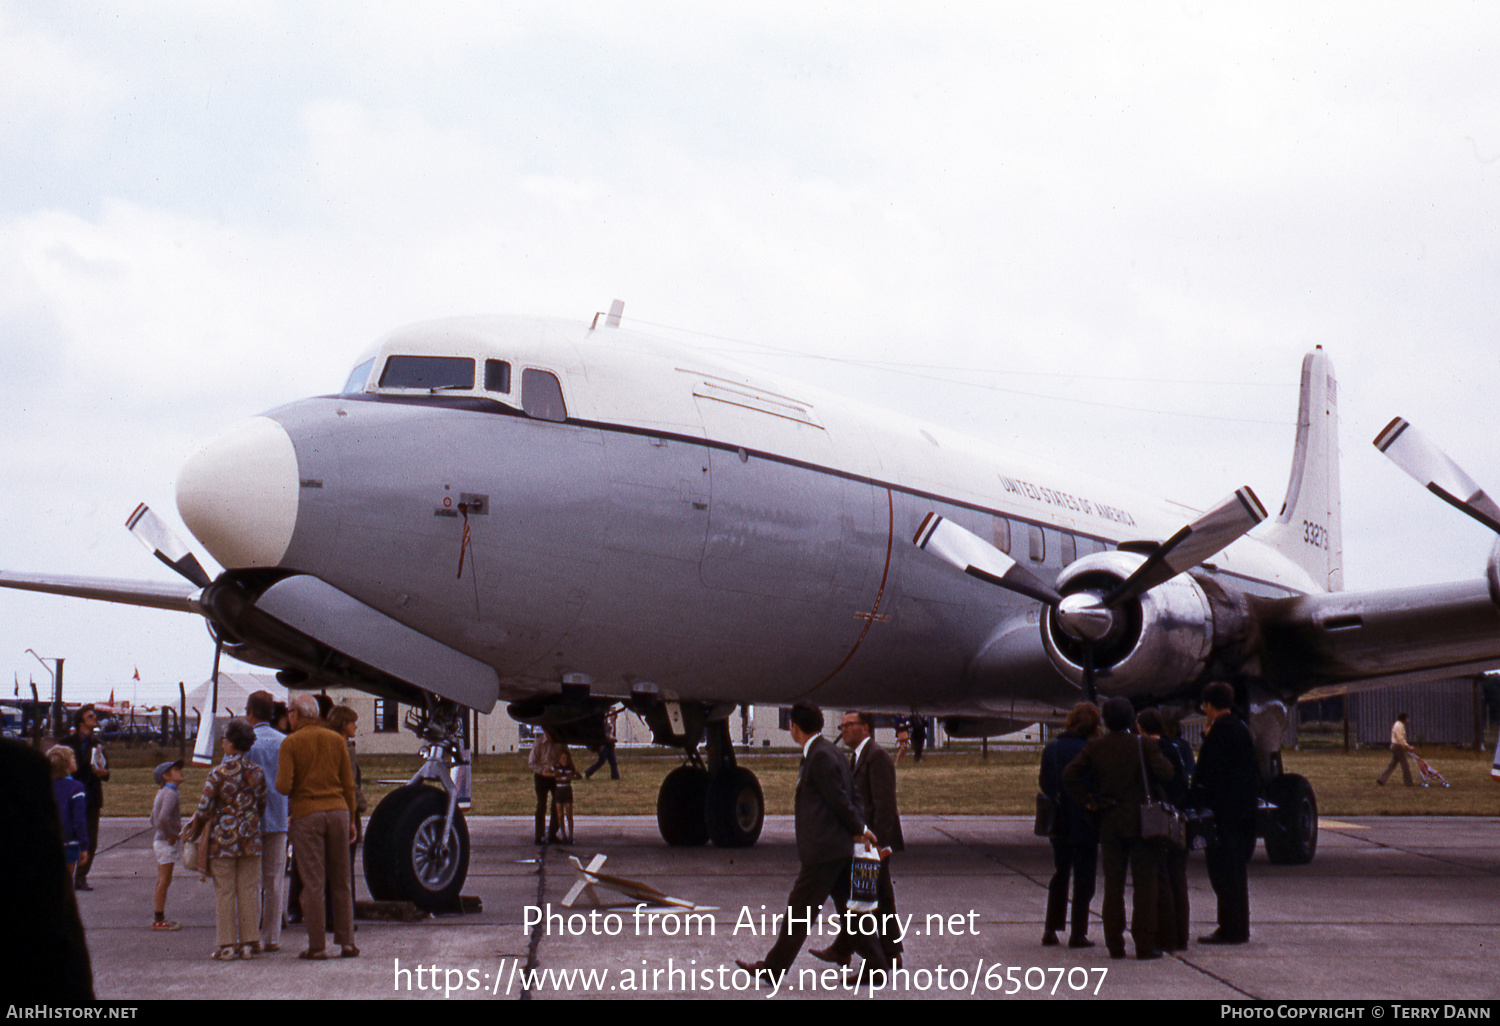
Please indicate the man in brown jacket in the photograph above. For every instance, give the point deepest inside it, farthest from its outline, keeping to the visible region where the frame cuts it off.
(313, 770)
(1120, 761)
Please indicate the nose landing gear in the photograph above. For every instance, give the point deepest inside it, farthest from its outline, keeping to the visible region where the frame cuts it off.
(416, 842)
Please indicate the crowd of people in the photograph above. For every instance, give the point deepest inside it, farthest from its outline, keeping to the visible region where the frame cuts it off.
(288, 774)
(1116, 781)
(1117, 784)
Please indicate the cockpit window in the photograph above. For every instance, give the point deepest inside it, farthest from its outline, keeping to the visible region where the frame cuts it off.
(431, 372)
(357, 378)
(541, 396)
(497, 376)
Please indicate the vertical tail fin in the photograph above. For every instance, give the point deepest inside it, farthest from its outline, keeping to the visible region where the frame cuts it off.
(1309, 529)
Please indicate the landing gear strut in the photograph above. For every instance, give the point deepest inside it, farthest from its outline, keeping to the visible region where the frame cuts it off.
(1288, 816)
(416, 842)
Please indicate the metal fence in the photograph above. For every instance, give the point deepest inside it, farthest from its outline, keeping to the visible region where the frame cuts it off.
(1445, 712)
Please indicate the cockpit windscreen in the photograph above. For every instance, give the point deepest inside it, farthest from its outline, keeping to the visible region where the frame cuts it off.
(428, 372)
(357, 378)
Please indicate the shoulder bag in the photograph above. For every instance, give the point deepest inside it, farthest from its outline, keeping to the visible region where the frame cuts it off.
(1159, 819)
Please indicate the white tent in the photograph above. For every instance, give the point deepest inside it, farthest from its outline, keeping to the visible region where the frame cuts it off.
(234, 690)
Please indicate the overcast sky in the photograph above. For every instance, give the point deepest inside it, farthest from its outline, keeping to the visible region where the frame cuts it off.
(1104, 233)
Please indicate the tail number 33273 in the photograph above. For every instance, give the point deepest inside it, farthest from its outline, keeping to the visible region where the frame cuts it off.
(1315, 535)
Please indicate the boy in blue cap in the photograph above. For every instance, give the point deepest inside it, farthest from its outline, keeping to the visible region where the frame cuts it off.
(166, 817)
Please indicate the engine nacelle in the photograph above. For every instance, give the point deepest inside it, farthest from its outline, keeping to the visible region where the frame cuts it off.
(1159, 642)
(970, 727)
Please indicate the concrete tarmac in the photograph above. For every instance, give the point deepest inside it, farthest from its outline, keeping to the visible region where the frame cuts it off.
(1391, 909)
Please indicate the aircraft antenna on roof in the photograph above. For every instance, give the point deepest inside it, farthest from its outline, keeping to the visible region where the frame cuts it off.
(612, 320)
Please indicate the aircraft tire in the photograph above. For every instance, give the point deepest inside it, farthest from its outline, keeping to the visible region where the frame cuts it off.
(736, 808)
(1292, 834)
(403, 861)
(681, 807)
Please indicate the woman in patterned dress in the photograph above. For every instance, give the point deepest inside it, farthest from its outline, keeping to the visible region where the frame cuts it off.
(234, 799)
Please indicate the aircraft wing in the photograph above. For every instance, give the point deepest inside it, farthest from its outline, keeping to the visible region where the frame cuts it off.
(178, 597)
(1395, 636)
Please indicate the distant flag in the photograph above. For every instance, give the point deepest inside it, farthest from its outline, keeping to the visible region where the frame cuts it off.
(111, 697)
(137, 673)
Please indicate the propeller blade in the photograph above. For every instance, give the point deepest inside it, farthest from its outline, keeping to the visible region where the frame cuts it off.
(1410, 450)
(1210, 533)
(203, 746)
(151, 532)
(978, 558)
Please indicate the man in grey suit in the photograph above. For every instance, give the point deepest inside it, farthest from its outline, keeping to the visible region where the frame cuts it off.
(828, 821)
(875, 789)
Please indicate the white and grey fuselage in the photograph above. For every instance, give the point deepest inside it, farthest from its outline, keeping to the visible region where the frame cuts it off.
(561, 504)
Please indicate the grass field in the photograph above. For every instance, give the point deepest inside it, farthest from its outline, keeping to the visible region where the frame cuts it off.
(949, 783)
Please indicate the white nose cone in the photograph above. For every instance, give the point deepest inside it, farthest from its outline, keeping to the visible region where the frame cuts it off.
(238, 494)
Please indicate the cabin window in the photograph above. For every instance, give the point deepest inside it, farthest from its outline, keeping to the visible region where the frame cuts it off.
(357, 378)
(1069, 548)
(1089, 546)
(541, 396)
(430, 372)
(1001, 530)
(1038, 543)
(497, 376)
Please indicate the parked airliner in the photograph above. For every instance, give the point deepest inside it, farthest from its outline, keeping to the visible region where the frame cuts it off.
(570, 516)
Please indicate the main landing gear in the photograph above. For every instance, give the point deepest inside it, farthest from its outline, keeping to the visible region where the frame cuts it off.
(1288, 817)
(1290, 826)
(713, 800)
(416, 841)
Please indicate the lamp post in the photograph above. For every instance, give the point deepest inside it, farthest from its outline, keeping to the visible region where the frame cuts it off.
(57, 681)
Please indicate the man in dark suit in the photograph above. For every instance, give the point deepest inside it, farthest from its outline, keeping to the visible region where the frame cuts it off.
(875, 789)
(1227, 782)
(828, 821)
(1119, 762)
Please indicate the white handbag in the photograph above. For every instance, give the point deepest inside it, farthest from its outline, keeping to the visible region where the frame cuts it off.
(864, 887)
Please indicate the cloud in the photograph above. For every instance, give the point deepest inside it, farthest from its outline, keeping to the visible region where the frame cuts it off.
(1146, 214)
